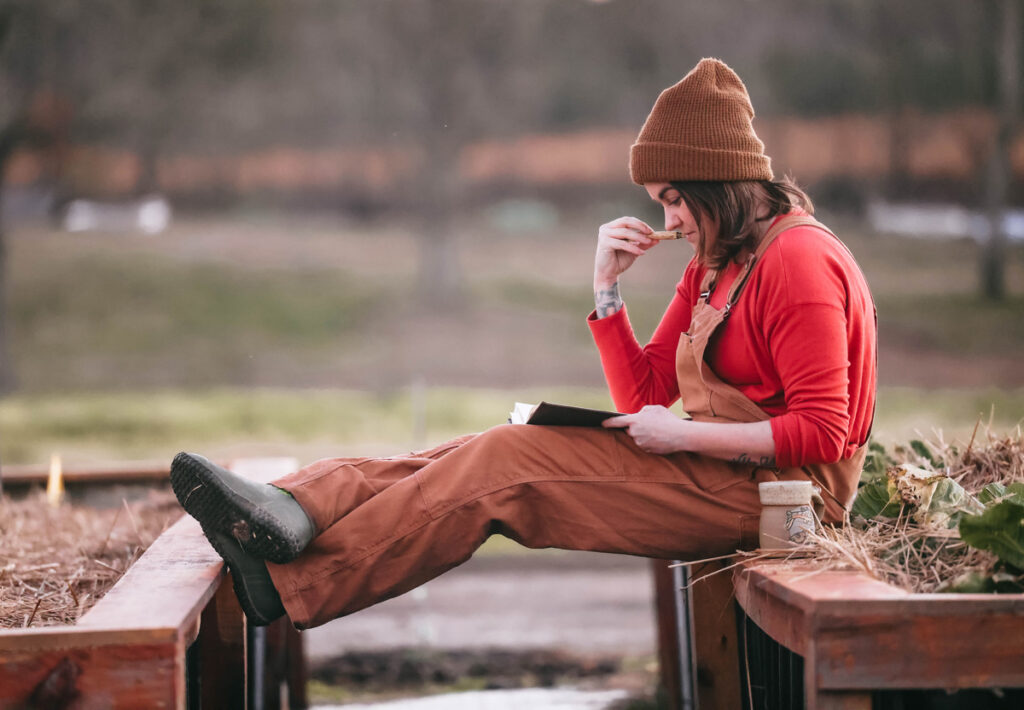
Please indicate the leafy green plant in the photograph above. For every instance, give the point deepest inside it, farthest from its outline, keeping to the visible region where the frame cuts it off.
(875, 499)
(996, 492)
(878, 461)
(933, 499)
(999, 529)
(924, 451)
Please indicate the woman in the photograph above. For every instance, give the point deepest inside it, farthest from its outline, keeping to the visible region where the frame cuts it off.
(769, 342)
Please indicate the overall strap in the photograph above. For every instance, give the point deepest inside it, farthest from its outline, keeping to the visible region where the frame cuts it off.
(707, 284)
(780, 226)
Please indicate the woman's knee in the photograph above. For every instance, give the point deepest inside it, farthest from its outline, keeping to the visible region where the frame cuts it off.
(504, 438)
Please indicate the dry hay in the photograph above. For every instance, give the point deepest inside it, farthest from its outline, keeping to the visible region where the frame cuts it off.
(56, 562)
(900, 553)
(996, 460)
(916, 558)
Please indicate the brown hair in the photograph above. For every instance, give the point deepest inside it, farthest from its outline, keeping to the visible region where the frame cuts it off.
(734, 207)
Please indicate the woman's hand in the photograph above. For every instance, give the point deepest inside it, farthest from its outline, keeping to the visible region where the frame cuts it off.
(658, 431)
(654, 428)
(619, 243)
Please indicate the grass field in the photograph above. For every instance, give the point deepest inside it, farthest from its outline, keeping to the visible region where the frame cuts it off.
(311, 424)
(260, 333)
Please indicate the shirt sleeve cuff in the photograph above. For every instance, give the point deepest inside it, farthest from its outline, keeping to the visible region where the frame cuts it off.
(617, 322)
(783, 448)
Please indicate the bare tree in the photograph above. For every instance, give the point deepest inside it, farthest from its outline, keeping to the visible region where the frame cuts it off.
(136, 71)
(150, 72)
(1000, 170)
(29, 33)
(428, 58)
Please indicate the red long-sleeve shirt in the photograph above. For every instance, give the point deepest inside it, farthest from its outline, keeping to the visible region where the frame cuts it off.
(800, 343)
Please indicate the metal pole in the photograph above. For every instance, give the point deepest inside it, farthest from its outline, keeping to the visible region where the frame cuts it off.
(257, 665)
(684, 633)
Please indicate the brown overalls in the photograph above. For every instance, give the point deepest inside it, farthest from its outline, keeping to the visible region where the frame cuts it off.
(385, 526)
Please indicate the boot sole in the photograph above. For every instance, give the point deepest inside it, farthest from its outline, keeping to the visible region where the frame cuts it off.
(206, 498)
(241, 591)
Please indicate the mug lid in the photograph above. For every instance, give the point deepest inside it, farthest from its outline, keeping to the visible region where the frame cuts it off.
(786, 492)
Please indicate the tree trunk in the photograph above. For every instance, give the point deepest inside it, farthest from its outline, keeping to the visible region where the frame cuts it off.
(442, 134)
(7, 378)
(993, 257)
(440, 283)
(6, 368)
(147, 147)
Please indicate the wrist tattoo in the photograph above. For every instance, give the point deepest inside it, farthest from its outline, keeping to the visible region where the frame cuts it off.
(768, 461)
(608, 301)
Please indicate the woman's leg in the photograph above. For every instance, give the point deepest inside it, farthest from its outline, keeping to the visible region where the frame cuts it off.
(586, 489)
(330, 488)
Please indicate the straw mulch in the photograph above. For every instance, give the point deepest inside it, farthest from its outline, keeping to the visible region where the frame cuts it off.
(913, 557)
(56, 562)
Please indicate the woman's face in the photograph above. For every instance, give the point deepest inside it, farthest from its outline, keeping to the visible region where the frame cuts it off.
(678, 217)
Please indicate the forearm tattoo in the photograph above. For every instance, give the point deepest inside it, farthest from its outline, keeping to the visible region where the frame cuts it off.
(608, 301)
(768, 461)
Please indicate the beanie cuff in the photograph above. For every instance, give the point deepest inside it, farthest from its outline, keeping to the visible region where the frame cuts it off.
(668, 162)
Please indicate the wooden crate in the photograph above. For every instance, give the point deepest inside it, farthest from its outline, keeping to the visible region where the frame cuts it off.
(856, 634)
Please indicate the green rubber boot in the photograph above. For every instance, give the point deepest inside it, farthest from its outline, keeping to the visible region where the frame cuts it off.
(253, 585)
(263, 519)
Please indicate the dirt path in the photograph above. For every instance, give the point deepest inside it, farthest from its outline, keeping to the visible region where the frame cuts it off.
(585, 603)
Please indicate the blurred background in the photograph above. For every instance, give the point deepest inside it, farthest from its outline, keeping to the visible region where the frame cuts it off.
(318, 223)
(315, 228)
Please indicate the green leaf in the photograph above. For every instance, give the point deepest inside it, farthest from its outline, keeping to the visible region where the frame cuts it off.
(936, 499)
(876, 498)
(1000, 530)
(876, 462)
(992, 493)
(996, 492)
(976, 582)
(948, 502)
(921, 449)
(1015, 491)
(969, 583)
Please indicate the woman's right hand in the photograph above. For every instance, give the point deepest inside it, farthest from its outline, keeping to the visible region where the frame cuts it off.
(619, 243)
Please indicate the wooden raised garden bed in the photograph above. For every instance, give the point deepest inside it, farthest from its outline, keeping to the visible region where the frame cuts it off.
(170, 634)
(852, 638)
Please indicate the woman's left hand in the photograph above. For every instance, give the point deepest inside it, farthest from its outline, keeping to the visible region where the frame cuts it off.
(654, 428)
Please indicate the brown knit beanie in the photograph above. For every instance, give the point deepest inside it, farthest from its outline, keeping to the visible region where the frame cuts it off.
(700, 129)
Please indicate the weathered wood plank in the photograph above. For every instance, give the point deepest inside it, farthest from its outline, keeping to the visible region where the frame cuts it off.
(920, 650)
(166, 588)
(858, 633)
(296, 669)
(715, 639)
(831, 700)
(222, 652)
(129, 651)
(120, 473)
(127, 675)
(773, 607)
